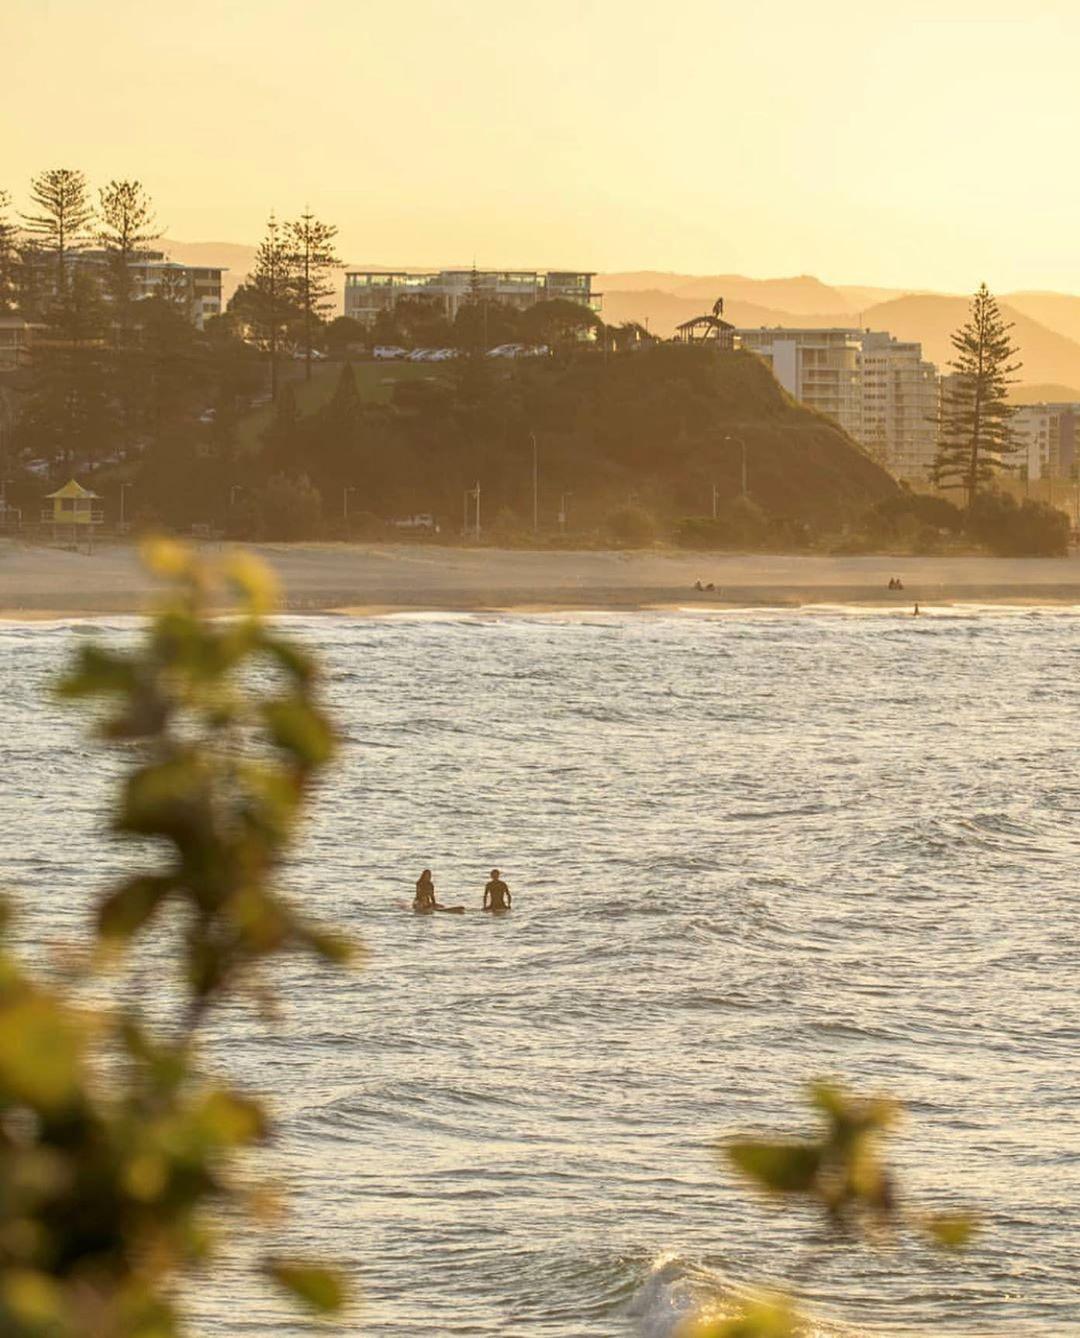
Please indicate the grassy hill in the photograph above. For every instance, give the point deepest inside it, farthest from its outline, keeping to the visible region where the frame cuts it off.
(660, 426)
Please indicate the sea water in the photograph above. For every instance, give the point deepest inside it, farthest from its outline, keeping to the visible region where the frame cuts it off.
(745, 849)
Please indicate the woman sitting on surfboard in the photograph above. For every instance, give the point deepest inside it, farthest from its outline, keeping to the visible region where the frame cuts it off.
(424, 902)
(425, 893)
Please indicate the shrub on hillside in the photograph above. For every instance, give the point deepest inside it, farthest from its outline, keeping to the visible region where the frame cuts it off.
(739, 524)
(290, 508)
(632, 526)
(1009, 529)
(926, 510)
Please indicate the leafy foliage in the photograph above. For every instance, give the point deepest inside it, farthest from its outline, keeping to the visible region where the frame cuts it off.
(1018, 529)
(842, 1174)
(106, 1190)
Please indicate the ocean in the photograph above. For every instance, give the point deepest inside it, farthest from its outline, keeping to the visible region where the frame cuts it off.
(746, 849)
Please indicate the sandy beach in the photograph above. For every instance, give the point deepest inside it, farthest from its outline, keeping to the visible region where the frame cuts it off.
(43, 582)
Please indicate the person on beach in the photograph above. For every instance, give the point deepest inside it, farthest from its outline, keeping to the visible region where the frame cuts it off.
(915, 612)
(425, 893)
(496, 894)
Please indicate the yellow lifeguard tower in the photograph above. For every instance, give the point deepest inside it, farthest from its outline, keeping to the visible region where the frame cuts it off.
(73, 505)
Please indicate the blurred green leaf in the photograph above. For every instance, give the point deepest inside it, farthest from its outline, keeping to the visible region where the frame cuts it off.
(952, 1231)
(33, 1301)
(97, 671)
(756, 1319)
(40, 1054)
(297, 727)
(781, 1168)
(124, 911)
(231, 1120)
(321, 1288)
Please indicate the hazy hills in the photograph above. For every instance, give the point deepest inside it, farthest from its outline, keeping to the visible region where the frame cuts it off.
(1047, 325)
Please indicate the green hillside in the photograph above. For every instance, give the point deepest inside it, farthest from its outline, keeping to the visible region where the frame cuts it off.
(657, 427)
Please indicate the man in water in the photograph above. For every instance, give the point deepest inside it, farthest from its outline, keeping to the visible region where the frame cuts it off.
(496, 894)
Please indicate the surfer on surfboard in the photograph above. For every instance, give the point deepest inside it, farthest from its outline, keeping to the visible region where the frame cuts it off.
(424, 902)
(496, 894)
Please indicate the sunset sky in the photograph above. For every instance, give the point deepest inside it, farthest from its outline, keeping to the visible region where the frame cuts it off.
(926, 144)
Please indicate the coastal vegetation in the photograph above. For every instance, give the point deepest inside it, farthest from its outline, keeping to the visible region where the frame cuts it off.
(120, 1159)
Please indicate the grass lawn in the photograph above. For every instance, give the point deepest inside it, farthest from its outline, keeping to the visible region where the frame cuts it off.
(374, 380)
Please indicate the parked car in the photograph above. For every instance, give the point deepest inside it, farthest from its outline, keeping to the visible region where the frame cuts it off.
(387, 352)
(505, 350)
(316, 356)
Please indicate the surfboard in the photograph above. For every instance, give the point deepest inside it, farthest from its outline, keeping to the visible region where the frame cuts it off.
(435, 910)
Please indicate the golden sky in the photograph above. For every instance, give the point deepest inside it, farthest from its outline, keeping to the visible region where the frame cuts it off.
(912, 144)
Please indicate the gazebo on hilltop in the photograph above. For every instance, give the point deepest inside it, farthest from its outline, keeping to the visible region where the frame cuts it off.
(708, 329)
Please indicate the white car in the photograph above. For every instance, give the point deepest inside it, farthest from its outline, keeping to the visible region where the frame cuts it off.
(420, 355)
(443, 354)
(387, 352)
(505, 350)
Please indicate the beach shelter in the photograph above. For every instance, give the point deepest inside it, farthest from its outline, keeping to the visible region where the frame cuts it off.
(73, 505)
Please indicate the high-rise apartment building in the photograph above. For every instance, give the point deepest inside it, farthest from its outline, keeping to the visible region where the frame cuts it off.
(879, 389)
(1048, 438)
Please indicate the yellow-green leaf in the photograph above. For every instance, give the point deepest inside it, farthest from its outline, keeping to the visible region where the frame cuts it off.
(781, 1168)
(952, 1231)
(320, 1288)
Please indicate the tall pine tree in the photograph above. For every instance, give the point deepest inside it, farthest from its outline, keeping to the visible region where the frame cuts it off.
(976, 440)
(126, 226)
(312, 245)
(271, 295)
(63, 197)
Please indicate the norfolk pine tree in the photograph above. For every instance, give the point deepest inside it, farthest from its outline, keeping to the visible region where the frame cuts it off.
(126, 226)
(312, 244)
(63, 197)
(272, 296)
(976, 439)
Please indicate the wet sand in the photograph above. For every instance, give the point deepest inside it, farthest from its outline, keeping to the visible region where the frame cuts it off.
(40, 582)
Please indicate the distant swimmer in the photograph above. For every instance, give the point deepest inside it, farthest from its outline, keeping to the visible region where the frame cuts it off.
(915, 611)
(892, 583)
(496, 894)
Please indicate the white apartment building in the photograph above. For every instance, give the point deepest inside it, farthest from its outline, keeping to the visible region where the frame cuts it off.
(879, 389)
(820, 368)
(901, 395)
(369, 292)
(197, 288)
(1049, 437)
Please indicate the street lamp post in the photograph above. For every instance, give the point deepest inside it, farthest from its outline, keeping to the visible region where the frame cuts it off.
(743, 445)
(715, 501)
(471, 495)
(536, 483)
(345, 503)
(564, 509)
(123, 522)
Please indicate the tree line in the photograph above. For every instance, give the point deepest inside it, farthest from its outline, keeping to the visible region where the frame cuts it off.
(120, 386)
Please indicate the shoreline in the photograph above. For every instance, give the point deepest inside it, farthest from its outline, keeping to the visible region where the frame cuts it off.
(357, 580)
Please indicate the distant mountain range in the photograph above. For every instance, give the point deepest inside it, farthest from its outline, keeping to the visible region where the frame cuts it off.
(1047, 325)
